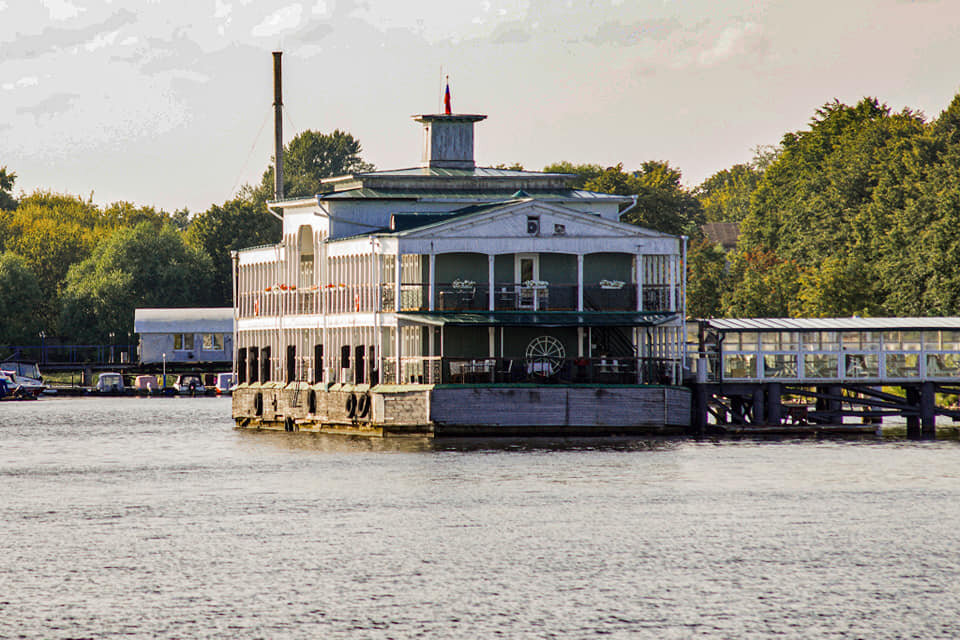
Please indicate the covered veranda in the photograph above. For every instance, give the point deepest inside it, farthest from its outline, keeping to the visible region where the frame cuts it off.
(504, 347)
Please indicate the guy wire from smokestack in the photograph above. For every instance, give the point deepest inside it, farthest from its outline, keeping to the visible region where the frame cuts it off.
(277, 128)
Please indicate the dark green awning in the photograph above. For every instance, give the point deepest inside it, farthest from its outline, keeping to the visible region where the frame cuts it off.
(540, 318)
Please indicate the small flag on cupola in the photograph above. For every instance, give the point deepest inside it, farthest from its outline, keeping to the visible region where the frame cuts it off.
(446, 99)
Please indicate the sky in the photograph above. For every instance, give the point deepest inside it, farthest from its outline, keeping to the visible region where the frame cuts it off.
(169, 102)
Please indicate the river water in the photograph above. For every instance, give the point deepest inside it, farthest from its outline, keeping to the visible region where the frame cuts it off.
(127, 517)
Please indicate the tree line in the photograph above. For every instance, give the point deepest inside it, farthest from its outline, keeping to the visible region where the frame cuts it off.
(857, 213)
(72, 269)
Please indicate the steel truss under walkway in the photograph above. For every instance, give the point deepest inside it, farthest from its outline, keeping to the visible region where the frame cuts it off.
(770, 405)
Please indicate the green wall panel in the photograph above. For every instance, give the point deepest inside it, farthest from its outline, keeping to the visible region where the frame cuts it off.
(607, 266)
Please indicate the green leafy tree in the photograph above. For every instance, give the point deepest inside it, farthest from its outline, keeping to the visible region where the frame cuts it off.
(50, 232)
(706, 279)
(823, 210)
(766, 286)
(20, 298)
(725, 196)
(662, 202)
(584, 172)
(181, 219)
(53, 231)
(236, 224)
(6, 189)
(309, 158)
(135, 267)
(919, 254)
(127, 214)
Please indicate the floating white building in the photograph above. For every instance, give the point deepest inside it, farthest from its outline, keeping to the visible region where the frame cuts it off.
(454, 299)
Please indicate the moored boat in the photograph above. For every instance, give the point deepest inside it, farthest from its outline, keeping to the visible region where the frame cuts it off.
(22, 379)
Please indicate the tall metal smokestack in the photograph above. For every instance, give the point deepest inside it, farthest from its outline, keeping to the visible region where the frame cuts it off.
(277, 128)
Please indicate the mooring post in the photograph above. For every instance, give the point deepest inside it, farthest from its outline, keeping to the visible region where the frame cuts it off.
(835, 402)
(928, 411)
(774, 406)
(758, 414)
(700, 409)
(913, 406)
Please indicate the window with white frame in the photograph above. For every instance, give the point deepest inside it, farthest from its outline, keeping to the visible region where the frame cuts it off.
(183, 341)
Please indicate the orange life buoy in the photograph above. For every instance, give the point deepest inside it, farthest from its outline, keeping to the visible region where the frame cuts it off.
(256, 307)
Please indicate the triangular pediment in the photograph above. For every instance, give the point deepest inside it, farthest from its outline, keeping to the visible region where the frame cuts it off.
(528, 219)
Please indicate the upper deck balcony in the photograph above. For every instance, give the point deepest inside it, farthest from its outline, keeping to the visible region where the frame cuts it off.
(606, 281)
(468, 295)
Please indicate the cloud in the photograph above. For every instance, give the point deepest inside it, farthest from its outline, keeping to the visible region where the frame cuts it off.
(158, 54)
(222, 9)
(26, 81)
(313, 32)
(62, 9)
(622, 34)
(735, 41)
(281, 20)
(509, 33)
(54, 38)
(102, 40)
(51, 106)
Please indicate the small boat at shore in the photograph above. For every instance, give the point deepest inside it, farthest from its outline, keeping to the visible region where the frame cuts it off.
(20, 380)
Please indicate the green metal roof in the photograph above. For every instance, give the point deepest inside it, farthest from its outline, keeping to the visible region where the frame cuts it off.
(835, 324)
(477, 172)
(559, 195)
(407, 221)
(540, 318)
(402, 222)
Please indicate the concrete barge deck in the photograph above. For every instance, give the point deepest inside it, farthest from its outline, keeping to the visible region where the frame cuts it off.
(464, 410)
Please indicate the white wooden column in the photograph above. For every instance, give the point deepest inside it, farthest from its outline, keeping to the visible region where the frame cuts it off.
(431, 294)
(491, 301)
(580, 282)
(639, 270)
(398, 277)
(673, 282)
(368, 283)
(398, 344)
(357, 301)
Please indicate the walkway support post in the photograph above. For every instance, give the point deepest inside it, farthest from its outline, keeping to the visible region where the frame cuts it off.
(698, 422)
(774, 410)
(913, 420)
(757, 414)
(928, 407)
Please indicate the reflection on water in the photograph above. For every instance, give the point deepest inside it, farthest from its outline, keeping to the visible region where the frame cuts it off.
(416, 444)
(321, 442)
(155, 518)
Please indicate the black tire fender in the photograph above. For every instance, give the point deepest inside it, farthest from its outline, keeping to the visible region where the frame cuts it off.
(363, 406)
(351, 405)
